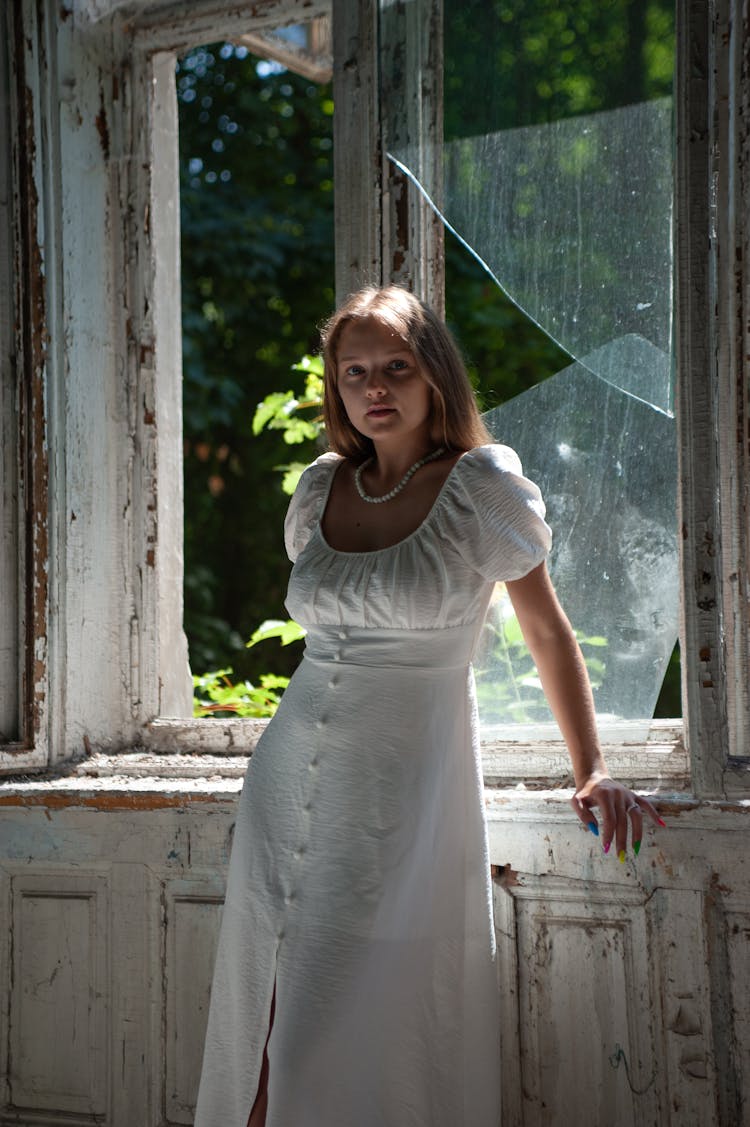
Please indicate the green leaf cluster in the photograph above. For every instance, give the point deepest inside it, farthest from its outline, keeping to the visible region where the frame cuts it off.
(216, 695)
(280, 411)
(287, 632)
(517, 696)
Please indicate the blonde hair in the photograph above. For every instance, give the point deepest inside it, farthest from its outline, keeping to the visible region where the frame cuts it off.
(456, 422)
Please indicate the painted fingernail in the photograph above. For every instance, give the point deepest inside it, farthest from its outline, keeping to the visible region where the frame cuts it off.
(621, 856)
(661, 822)
(636, 847)
(594, 828)
(606, 846)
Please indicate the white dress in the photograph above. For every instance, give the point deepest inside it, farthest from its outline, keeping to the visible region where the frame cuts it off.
(358, 888)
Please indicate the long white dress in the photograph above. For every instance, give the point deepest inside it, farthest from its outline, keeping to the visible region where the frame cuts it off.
(358, 889)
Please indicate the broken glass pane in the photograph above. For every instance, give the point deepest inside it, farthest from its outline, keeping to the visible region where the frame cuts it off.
(573, 220)
(605, 462)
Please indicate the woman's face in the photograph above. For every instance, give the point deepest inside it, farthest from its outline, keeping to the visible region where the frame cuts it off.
(384, 392)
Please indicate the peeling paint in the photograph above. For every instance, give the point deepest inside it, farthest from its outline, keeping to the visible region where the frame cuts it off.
(103, 130)
(109, 800)
(32, 340)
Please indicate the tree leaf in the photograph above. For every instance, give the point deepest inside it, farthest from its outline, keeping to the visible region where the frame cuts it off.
(289, 631)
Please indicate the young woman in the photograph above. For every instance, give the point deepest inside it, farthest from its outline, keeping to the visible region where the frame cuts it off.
(355, 983)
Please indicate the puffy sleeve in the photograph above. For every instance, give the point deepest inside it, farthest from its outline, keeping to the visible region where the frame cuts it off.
(496, 519)
(307, 503)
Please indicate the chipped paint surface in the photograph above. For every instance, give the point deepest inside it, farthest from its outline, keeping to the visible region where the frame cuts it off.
(599, 962)
(31, 345)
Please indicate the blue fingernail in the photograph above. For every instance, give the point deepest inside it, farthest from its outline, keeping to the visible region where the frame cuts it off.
(594, 828)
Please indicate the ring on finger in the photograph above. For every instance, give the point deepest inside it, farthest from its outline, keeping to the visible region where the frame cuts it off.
(633, 806)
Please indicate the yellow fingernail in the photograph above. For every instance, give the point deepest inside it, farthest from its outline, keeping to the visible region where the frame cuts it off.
(621, 855)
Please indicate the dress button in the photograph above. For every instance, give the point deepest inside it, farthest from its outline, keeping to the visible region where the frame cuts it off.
(307, 807)
(320, 724)
(333, 683)
(312, 765)
(289, 898)
(337, 655)
(342, 634)
(297, 855)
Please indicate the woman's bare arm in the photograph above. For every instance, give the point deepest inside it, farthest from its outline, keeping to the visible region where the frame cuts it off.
(562, 671)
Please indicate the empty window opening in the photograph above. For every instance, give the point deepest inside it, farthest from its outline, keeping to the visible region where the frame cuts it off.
(257, 279)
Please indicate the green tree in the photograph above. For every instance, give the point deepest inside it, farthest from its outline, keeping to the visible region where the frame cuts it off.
(257, 279)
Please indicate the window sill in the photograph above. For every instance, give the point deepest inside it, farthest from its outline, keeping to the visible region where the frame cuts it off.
(658, 762)
(142, 781)
(182, 761)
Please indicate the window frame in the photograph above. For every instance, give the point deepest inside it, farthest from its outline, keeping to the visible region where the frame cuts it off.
(384, 231)
(9, 609)
(713, 383)
(25, 402)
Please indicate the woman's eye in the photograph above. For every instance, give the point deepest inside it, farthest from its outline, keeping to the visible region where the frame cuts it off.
(399, 365)
(354, 370)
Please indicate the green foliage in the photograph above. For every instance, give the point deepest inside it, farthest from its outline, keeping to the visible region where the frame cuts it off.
(527, 63)
(517, 697)
(534, 61)
(279, 411)
(286, 632)
(216, 695)
(257, 278)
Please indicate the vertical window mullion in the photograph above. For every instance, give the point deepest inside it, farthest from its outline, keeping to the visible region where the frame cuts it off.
(702, 666)
(9, 616)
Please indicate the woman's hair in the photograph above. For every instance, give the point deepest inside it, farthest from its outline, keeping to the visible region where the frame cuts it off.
(456, 422)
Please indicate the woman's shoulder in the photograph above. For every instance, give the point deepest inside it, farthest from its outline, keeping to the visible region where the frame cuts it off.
(494, 515)
(316, 477)
(307, 501)
(490, 460)
(323, 464)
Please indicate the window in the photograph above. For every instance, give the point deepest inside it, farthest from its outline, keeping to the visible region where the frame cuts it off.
(102, 641)
(559, 179)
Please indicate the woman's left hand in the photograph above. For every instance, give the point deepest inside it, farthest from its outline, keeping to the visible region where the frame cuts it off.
(619, 808)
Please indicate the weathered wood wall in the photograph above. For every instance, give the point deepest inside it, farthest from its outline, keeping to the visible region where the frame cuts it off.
(625, 986)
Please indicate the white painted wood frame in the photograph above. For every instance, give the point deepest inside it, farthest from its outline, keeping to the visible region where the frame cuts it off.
(9, 604)
(713, 380)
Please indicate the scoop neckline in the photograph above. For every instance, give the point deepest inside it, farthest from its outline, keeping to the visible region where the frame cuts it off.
(406, 539)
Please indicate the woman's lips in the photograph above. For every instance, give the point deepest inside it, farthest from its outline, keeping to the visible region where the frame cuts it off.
(376, 412)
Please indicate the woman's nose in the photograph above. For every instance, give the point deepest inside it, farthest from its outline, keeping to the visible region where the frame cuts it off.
(375, 384)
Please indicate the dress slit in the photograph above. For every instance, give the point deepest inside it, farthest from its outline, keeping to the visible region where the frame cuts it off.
(259, 1108)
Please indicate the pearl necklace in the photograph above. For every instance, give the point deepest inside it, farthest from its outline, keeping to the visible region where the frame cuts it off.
(397, 488)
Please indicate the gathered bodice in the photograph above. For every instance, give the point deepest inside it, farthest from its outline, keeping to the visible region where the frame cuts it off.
(486, 525)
